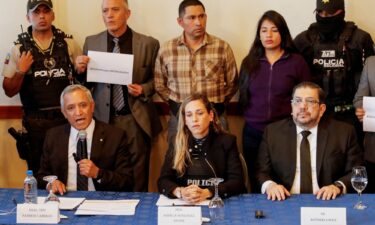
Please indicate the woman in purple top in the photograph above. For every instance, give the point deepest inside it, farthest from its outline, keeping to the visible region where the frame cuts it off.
(267, 77)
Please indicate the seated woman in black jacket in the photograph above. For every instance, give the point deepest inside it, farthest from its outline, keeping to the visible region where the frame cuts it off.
(201, 150)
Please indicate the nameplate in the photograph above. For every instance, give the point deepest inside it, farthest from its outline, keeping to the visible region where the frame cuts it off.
(323, 216)
(38, 213)
(190, 215)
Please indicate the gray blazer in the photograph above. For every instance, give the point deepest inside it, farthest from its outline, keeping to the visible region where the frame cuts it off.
(145, 50)
(366, 87)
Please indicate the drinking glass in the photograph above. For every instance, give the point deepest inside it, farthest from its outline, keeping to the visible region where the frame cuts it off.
(216, 205)
(51, 196)
(359, 182)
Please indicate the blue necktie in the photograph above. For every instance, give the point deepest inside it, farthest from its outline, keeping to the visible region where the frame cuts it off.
(117, 92)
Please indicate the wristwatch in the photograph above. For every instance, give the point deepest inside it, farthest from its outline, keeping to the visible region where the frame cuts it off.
(339, 186)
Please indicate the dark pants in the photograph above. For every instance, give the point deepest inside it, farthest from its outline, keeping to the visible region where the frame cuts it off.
(139, 144)
(370, 168)
(36, 125)
(251, 141)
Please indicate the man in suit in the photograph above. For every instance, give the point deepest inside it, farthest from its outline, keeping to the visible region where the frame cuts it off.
(307, 154)
(107, 166)
(366, 87)
(136, 114)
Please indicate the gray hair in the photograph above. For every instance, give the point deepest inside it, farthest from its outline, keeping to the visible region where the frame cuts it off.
(72, 88)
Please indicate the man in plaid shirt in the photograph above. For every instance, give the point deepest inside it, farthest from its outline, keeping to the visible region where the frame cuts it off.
(195, 62)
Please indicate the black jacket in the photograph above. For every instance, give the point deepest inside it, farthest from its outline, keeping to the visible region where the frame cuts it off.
(223, 155)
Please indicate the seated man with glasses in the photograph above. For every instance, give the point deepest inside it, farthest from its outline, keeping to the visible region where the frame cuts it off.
(307, 153)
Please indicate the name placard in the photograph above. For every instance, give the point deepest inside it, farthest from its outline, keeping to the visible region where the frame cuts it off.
(38, 213)
(323, 216)
(190, 215)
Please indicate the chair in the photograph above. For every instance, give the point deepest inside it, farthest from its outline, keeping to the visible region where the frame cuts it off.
(245, 173)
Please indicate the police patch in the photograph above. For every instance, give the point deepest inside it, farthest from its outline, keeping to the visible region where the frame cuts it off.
(7, 58)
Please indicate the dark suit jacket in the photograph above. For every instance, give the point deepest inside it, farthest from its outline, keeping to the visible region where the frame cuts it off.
(108, 152)
(143, 109)
(337, 152)
(223, 155)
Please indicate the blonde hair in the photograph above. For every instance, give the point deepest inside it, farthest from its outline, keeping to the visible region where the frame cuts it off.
(181, 157)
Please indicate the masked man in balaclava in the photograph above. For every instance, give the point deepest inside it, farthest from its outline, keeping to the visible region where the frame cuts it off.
(335, 50)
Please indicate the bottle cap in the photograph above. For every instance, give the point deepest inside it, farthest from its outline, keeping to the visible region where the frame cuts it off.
(29, 173)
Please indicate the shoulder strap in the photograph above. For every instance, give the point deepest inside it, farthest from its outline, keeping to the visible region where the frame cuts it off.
(347, 33)
(312, 34)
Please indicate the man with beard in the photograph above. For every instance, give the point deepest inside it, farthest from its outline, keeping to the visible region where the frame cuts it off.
(335, 50)
(319, 161)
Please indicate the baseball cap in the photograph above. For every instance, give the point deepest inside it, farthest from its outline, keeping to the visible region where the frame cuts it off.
(33, 4)
(331, 6)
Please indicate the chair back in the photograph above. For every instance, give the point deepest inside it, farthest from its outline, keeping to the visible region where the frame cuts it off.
(245, 173)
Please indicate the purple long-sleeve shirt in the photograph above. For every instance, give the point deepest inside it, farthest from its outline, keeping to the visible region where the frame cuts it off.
(271, 89)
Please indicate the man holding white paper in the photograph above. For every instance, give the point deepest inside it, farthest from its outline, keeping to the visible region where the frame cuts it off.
(129, 107)
(366, 87)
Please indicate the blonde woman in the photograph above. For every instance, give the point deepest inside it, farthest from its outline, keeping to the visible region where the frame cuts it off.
(201, 150)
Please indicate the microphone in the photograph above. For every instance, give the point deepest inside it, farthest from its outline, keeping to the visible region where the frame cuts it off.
(82, 145)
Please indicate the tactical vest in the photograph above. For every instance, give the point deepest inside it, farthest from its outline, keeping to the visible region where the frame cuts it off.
(50, 72)
(333, 71)
(200, 169)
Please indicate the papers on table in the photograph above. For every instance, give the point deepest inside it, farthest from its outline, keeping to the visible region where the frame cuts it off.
(165, 201)
(369, 118)
(110, 68)
(65, 203)
(108, 207)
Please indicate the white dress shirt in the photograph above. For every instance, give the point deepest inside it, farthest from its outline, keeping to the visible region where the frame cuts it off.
(72, 165)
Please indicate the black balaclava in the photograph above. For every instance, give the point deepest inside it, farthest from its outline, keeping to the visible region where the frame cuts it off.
(330, 27)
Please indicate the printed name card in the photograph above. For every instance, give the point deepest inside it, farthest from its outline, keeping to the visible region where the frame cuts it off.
(38, 213)
(190, 215)
(323, 216)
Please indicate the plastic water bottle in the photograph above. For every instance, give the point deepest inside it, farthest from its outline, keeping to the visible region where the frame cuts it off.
(30, 188)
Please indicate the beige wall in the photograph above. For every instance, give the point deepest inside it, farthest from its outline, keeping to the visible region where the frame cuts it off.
(232, 20)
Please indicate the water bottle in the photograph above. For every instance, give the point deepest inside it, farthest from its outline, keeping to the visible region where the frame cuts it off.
(30, 188)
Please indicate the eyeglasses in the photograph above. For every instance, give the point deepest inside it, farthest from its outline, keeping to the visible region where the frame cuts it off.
(309, 102)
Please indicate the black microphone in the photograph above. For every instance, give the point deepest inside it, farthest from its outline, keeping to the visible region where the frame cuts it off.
(82, 145)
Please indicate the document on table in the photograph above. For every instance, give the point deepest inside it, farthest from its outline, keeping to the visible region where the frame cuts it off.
(65, 203)
(369, 118)
(108, 207)
(165, 201)
(112, 68)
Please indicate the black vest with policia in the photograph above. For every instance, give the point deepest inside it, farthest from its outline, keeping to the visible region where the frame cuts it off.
(200, 169)
(50, 72)
(335, 67)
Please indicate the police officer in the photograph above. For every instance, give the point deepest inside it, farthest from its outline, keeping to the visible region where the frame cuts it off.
(39, 67)
(335, 51)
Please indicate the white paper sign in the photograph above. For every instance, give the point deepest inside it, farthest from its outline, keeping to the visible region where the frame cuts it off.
(38, 213)
(190, 215)
(323, 216)
(112, 68)
(124, 207)
(369, 118)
